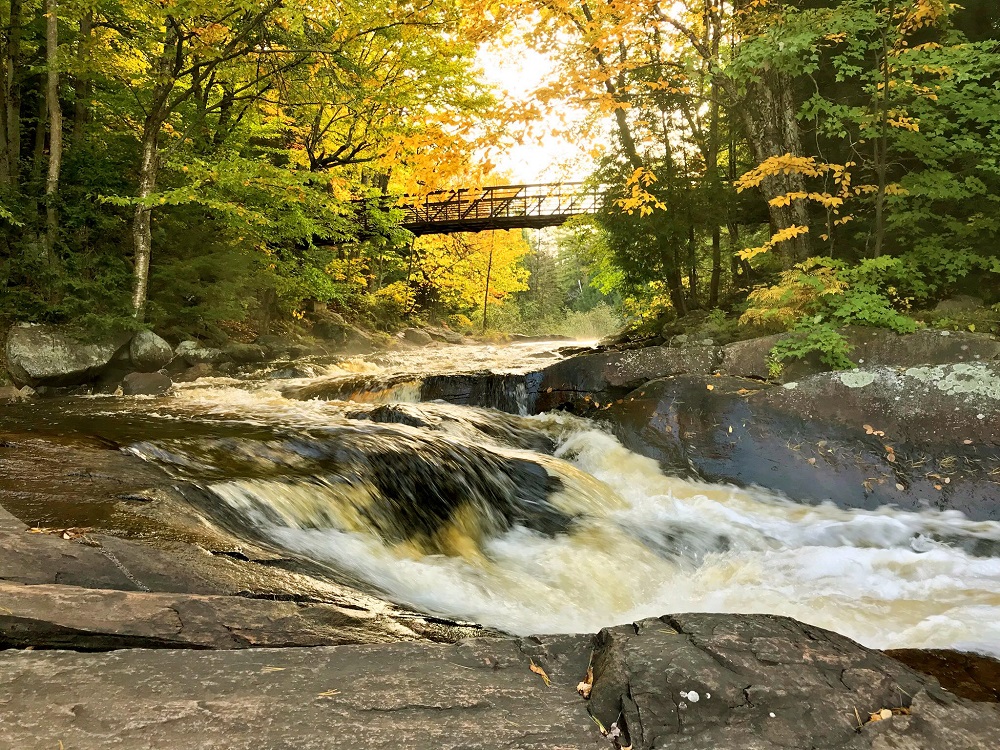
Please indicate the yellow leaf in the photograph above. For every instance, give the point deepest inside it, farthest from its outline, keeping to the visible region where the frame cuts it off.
(540, 672)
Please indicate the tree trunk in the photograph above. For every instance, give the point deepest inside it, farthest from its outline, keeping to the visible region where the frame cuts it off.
(713, 289)
(142, 239)
(55, 129)
(770, 118)
(692, 268)
(81, 109)
(11, 157)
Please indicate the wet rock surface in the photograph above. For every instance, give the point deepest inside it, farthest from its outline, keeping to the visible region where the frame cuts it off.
(72, 617)
(610, 375)
(146, 384)
(691, 681)
(68, 582)
(863, 439)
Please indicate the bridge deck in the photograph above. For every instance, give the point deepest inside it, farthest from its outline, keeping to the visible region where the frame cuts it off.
(501, 207)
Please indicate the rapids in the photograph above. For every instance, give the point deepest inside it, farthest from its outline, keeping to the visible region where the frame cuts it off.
(543, 523)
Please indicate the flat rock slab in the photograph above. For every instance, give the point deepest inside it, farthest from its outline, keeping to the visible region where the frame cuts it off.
(478, 694)
(78, 618)
(698, 682)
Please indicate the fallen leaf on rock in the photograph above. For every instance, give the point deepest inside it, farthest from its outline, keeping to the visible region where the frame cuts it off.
(587, 685)
(882, 715)
(540, 672)
(710, 387)
(329, 694)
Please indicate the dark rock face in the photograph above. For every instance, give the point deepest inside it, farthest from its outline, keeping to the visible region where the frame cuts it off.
(861, 438)
(43, 355)
(191, 374)
(611, 375)
(966, 675)
(701, 682)
(146, 384)
(746, 681)
(148, 352)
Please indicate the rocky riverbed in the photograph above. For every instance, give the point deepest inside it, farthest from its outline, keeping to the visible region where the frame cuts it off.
(241, 563)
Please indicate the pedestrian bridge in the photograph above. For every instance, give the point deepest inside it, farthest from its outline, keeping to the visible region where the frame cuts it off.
(500, 207)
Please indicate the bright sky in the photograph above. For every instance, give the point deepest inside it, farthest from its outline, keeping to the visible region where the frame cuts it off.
(543, 157)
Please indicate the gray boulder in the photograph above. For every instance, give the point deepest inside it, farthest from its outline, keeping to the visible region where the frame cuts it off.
(417, 336)
(45, 355)
(149, 352)
(206, 355)
(246, 353)
(146, 384)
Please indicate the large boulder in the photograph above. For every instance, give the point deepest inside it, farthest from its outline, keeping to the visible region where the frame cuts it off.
(149, 352)
(869, 347)
(919, 437)
(146, 384)
(417, 336)
(246, 353)
(608, 376)
(205, 356)
(46, 355)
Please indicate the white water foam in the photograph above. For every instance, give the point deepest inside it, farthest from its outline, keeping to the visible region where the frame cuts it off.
(673, 546)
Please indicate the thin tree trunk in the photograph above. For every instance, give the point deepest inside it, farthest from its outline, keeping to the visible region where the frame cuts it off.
(142, 239)
(692, 267)
(489, 272)
(713, 289)
(10, 162)
(55, 129)
(81, 108)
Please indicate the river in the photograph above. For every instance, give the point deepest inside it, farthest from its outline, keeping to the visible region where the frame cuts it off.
(534, 523)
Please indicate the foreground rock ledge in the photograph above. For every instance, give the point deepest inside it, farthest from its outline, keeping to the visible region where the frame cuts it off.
(761, 682)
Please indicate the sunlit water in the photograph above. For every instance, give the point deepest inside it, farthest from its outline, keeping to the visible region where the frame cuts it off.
(640, 543)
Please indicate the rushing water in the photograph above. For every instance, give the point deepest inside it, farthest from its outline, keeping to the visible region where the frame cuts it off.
(547, 523)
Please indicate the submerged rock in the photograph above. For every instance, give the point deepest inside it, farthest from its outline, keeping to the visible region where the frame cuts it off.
(146, 384)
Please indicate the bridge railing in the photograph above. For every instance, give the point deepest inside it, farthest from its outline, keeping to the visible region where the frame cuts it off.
(477, 205)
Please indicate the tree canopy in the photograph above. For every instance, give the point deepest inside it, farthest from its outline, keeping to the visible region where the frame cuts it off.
(191, 164)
